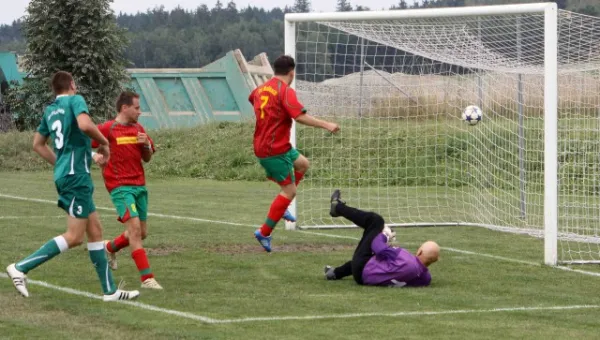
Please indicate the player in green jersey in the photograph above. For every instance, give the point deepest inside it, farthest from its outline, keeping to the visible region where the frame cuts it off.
(67, 123)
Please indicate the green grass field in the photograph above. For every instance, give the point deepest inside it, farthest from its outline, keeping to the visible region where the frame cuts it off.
(220, 285)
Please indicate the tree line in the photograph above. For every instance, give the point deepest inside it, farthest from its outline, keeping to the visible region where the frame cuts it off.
(179, 38)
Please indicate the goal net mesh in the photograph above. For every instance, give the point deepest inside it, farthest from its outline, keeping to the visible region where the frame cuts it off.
(398, 89)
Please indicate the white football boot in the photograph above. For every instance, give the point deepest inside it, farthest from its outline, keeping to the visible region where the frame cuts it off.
(121, 295)
(19, 279)
(151, 283)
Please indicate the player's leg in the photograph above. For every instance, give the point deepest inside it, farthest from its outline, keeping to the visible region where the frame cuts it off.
(338, 273)
(281, 170)
(122, 199)
(137, 229)
(372, 224)
(359, 217)
(138, 253)
(144, 225)
(363, 252)
(98, 257)
(71, 238)
(301, 166)
(276, 212)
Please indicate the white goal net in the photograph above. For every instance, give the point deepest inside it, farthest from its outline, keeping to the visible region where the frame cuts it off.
(398, 86)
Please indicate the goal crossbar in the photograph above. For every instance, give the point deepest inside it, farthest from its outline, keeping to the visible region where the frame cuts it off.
(422, 13)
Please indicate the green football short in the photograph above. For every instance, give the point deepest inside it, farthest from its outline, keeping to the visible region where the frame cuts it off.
(280, 168)
(130, 201)
(75, 195)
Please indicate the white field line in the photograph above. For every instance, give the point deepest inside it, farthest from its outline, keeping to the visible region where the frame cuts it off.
(467, 252)
(130, 303)
(409, 313)
(176, 217)
(208, 320)
(25, 217)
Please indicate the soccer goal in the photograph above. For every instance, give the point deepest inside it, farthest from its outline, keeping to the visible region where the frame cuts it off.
(398, 82)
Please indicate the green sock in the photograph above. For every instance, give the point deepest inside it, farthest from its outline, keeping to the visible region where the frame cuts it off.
(98, 257)
(45, 253)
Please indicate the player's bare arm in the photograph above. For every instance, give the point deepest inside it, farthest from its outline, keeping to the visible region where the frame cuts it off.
(309, 120)
(88, 127)
(41, 147)
(147, 144)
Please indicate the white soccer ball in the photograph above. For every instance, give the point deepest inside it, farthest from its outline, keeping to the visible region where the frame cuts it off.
(472, 114)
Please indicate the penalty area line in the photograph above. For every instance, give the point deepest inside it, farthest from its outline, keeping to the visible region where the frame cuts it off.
(175, 217)
(208, 320)
(26, 217)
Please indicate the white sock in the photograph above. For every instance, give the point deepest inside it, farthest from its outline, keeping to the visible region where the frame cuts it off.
(95, 246)
(61, 243)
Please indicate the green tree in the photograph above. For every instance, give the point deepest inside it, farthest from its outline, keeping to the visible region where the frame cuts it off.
(81, 37)
(343, 6)
(589, 10)
(26, 102)
(302, 6)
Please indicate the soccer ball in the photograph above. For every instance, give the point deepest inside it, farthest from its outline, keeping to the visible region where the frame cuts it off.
(472, 114)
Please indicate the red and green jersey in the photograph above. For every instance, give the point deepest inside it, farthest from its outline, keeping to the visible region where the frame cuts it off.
(124, 167)
(275, 105)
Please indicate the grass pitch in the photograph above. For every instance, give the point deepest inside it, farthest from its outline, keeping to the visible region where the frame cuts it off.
(220, 285)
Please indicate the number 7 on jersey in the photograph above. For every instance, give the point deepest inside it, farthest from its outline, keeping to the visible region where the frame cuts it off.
(264, 100)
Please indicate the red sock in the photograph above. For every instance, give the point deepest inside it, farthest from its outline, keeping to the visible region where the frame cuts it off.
(117, 244)
(298, 176)
(141, 261)
(276, 212)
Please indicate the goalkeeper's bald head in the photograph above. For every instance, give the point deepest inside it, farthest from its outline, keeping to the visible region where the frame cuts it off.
(428, 253)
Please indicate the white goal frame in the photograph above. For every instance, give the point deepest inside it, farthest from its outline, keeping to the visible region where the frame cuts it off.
(550, 12)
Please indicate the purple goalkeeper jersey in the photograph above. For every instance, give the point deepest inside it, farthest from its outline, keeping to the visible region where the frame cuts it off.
(394, 267)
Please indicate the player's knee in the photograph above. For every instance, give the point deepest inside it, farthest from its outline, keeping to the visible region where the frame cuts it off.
(302, 164)
(94, 231)
(376, 219)
(73, 239)
(144, 234)
(289, 191)
(134, 230)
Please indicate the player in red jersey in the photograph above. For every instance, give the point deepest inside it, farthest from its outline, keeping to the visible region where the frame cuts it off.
(125, 181)
(275, 105)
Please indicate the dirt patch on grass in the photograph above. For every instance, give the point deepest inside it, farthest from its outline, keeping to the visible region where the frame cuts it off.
(283, 248)
(164, 250)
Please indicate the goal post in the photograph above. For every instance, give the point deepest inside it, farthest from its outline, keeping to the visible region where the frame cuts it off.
(551, 134)
(397, 82)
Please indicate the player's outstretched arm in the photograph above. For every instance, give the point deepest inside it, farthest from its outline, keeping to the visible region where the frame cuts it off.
(41, 148)
(309, 120)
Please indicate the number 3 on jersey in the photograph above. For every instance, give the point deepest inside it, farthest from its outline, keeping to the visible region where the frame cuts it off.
(59, 140)
(264, 100)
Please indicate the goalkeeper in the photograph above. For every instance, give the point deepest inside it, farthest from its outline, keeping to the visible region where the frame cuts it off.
(275, 105)
(374, 262)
